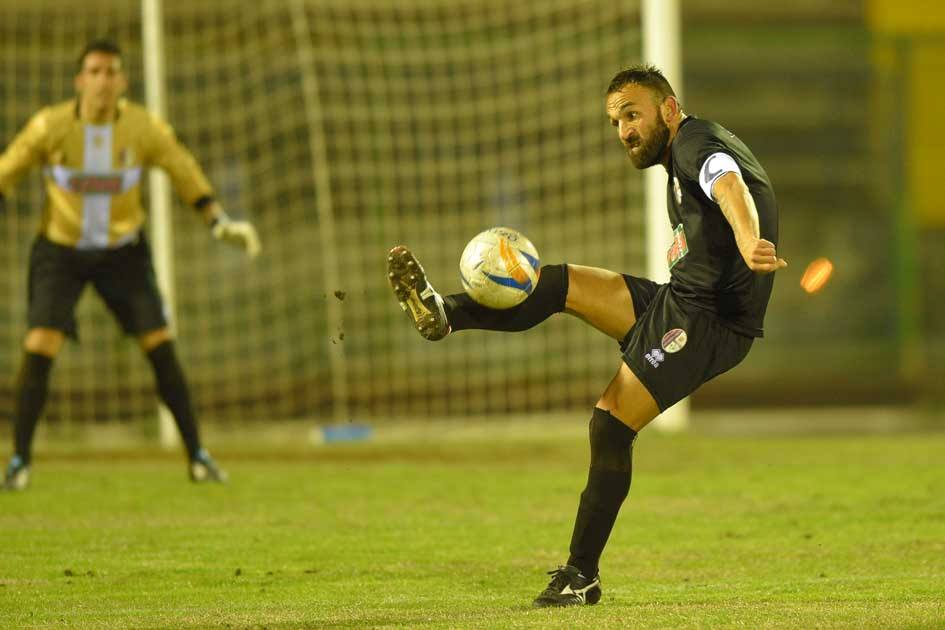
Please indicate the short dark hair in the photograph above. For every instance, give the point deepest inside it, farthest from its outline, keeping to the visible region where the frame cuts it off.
(106, 46)
(642, 74)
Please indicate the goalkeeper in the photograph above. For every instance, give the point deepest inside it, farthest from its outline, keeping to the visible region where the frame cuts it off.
(93, 151)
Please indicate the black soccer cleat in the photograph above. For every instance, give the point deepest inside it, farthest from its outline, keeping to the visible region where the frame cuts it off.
(418, 299)
(569, 587)
(18, 475)
(204, 469)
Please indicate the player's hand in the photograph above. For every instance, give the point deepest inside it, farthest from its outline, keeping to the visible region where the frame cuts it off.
(762, 257)
(239, 233)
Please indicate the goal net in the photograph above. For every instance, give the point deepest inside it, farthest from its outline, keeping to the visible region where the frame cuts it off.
(341, 129)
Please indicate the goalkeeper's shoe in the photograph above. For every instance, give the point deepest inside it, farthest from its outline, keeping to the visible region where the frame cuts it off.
(203, 469)
(416, 296)
(18, 475)
(569, 587)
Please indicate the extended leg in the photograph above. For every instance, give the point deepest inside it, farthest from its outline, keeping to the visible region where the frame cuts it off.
(597, 296)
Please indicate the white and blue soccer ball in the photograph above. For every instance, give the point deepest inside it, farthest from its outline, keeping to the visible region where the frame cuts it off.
(499, 268)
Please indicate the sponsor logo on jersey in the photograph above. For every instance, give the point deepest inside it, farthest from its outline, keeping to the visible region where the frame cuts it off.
(674, 340)
(679, 248)
(655, 357)
(92, 184)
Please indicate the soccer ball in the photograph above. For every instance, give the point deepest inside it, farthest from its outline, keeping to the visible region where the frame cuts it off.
(499, 268)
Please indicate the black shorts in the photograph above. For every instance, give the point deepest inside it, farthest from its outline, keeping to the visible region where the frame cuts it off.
(672, 348)
(123, 277)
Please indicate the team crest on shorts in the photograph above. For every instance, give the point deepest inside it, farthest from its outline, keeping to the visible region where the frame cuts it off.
(677, 190)
(674, 340)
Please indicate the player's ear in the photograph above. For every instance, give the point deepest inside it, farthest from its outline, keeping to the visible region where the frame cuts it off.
(669, 108)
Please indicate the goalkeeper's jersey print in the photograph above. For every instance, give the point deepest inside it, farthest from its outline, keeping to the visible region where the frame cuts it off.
(706, 268)
(92, 173)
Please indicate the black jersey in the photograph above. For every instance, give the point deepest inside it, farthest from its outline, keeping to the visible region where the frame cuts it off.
(706, 269)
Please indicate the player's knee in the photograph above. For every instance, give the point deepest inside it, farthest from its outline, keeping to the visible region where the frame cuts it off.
(628, 400)
(611, 442)
(44, 341)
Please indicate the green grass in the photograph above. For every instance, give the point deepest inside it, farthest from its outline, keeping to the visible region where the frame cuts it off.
(718, 532)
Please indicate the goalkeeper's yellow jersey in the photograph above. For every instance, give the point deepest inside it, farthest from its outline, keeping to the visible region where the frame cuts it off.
(92, 173)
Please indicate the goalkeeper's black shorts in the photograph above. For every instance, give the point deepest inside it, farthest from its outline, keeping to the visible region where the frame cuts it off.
(674, 348)
(123, 277)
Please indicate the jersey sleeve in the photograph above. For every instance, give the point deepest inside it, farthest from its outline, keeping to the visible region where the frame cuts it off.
(24, 152)
(702, 157)
(166, 151)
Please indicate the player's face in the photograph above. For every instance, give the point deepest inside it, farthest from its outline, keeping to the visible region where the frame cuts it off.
(101, 81)
(635, 112)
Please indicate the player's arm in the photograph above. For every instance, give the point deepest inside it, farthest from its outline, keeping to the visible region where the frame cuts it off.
(24, 152)
(734, 198)
(194, 188)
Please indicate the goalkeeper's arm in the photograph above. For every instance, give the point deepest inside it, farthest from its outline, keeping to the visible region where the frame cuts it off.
(190, 182)
(239, 233)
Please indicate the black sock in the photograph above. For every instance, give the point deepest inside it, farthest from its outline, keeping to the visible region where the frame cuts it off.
(548, 298)
(174, 392)
(608, 483)
(32, 385)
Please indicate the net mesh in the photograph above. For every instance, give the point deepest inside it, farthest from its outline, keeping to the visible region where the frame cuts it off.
(436, 119)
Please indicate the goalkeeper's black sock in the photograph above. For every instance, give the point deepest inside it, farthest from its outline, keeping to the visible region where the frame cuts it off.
(176, 395)
(608, 483)
(32, 385)
(548, 298)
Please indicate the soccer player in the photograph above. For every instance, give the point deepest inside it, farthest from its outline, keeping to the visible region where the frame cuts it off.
(93, 150)
(673, 336)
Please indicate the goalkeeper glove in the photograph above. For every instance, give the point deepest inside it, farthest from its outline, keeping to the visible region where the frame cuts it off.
(239, 233)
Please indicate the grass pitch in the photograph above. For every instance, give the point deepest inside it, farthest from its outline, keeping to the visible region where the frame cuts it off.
(457, 533)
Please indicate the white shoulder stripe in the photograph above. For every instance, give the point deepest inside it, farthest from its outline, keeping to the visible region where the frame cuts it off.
(714, 167)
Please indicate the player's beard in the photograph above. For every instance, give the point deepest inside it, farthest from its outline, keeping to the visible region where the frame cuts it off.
(651, 150)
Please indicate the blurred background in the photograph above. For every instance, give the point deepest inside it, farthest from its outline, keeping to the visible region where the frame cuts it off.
(343, 128)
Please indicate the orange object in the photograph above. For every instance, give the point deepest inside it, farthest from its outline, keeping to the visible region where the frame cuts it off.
(816, 275)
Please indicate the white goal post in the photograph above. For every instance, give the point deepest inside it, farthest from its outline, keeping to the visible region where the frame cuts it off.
(661, 37)
(162, 233)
